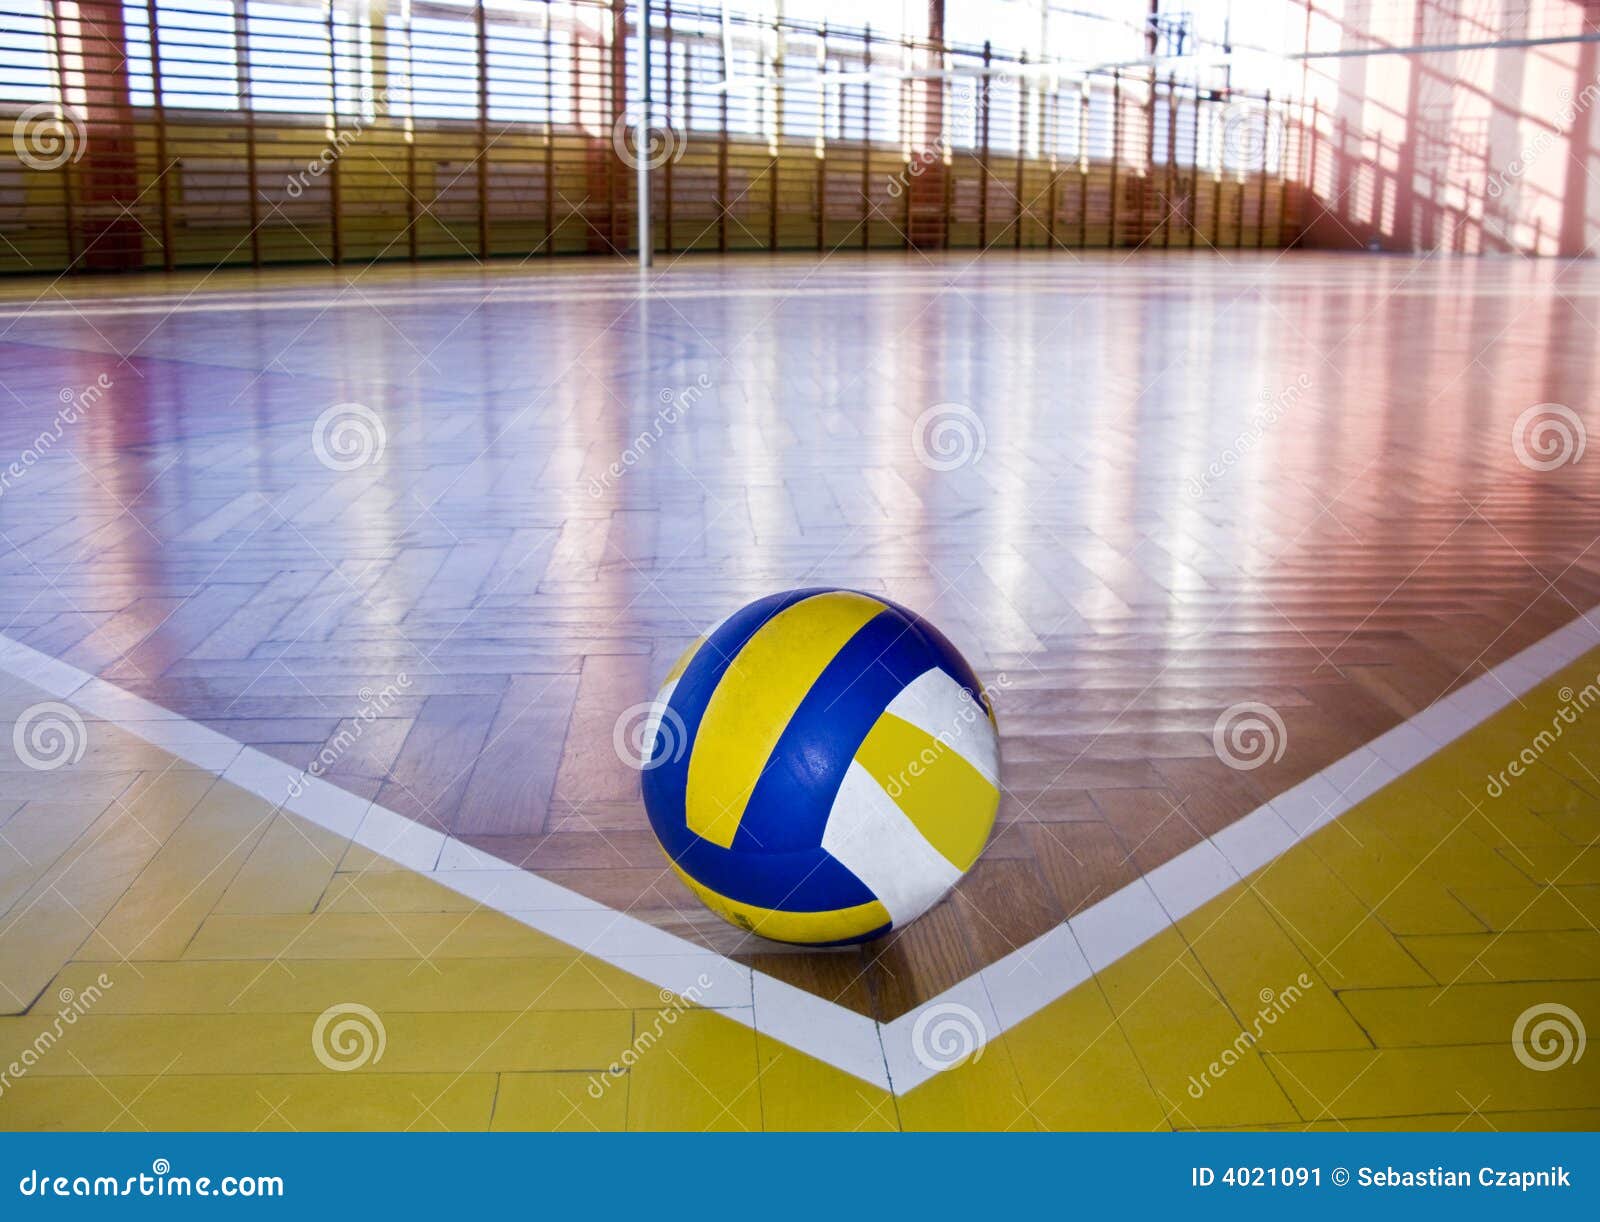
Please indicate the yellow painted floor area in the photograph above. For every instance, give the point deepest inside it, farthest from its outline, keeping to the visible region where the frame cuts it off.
(195, 936)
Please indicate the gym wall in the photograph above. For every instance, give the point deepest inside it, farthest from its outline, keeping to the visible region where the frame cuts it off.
(1489, 144)
(208, 133)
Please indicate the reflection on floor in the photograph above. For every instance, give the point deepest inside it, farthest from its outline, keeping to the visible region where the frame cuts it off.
(1152, 490)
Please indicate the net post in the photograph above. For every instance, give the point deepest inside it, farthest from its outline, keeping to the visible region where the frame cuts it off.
(642, 135)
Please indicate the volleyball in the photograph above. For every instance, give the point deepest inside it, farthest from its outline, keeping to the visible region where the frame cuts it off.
(822, 767)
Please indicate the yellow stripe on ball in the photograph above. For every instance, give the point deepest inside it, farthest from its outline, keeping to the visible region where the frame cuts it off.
(949, 800)
(804, 927)
(755, 700)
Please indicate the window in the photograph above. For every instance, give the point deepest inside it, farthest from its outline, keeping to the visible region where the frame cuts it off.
(552, 63)
(293, 54)
(530, 73)
(199, 54)
(444, 68)
(27, 57)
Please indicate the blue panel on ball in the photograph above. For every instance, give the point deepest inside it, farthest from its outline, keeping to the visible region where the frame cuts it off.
(948, 657)
(666, 782)
(789, 806)
(808, 880)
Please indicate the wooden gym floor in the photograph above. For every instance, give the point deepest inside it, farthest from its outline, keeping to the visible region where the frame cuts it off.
(1178, 484)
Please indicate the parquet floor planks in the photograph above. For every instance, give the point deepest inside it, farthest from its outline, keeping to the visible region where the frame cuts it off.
(1286, 480)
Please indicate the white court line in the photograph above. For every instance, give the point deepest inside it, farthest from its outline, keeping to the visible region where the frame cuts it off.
(525, 295)
(886, 1055)
(529, 294)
